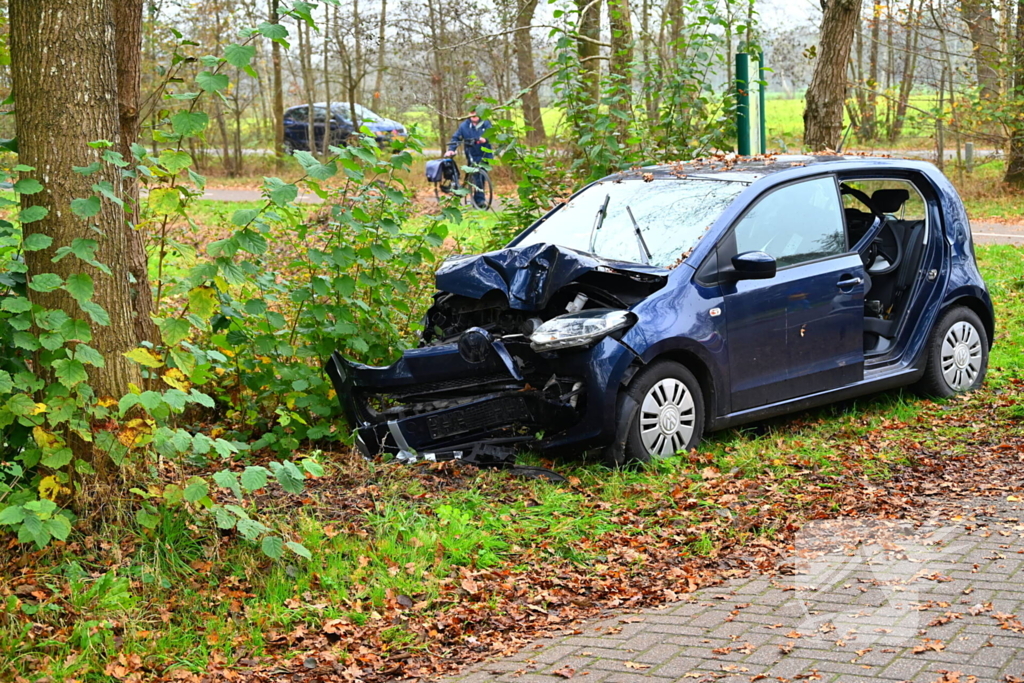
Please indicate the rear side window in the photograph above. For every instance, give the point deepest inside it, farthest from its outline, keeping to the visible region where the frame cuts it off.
(796, 223)
(298, 114)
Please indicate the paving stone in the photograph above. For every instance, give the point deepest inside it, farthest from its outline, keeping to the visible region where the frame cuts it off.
(882, 622)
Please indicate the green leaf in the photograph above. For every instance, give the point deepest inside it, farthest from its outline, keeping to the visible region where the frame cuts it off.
(59, 527)
(210, 82)
(95, 312)
(299, 550)
(273, 546)
(15, 304)
(202, 301)
(145, 519)
(273, 31)
(45, 282)
(239, 55)
(108, 191)
(280, 192)
(28, 186)
(255, 306)
(174, 330)
(87, 354)
(75, 329)
(175, 161)
(225, 520)
(144, 356)
(250, 528)
(86, 208)
(228, 480)
(13, 514)
(290, 478)
(313, 467)
(37, 241)
(252, 242)
(32, 529)
(164, 200)
(243, 217)
(80, 287)
(57, 459)
(189, 123)
(196, 489)
(254, 478)
(87, 170)
(69, 372)
(33, 214)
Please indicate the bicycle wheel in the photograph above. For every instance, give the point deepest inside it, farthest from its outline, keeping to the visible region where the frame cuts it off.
(446, 186)
(480, 183)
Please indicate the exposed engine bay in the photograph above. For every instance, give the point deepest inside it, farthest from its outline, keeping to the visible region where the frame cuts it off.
(482, 381)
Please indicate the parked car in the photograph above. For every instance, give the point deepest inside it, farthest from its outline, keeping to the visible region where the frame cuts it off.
(661, 303)
(296, 125)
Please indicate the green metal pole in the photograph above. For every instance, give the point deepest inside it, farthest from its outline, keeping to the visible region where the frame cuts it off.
(742, 104)
(764, 116)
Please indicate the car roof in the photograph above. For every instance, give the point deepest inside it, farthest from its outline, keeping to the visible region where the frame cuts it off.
(747, 169)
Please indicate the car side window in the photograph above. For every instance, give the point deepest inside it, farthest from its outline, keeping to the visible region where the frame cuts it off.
(297, 114)
(796, 223)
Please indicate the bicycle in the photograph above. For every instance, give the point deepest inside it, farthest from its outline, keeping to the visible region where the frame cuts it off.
(444, 175)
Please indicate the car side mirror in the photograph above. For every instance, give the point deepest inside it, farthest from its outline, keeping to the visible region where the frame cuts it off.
(750, 265)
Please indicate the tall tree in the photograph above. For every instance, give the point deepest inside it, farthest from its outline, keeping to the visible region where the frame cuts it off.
(55, 43)
(278, 107)
(1015, 159)
(823, 111)
(535, 133)
(589, 45)
(621, 62)
(977, 14)
(128, 46)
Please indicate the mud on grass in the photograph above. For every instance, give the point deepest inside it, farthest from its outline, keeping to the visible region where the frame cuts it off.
(418, 571)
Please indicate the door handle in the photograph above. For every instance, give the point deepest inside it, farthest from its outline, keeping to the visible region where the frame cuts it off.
(849, 282)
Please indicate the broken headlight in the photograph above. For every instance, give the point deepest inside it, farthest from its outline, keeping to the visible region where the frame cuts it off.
(579, 329)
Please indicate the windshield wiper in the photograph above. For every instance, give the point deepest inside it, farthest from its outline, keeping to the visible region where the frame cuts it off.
(598, 221)
(645, 253)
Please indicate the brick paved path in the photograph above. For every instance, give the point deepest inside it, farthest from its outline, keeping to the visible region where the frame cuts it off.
(862, 601)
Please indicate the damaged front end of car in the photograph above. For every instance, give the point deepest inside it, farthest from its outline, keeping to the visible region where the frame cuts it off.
(521, 346)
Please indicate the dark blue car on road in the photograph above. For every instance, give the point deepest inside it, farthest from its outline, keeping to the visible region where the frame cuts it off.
(661, 303)
(341, 125)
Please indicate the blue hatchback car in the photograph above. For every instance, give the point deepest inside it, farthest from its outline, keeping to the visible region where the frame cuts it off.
(658, 304)
(296, 125)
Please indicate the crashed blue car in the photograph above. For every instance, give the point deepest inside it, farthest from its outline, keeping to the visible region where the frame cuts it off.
(659, 304)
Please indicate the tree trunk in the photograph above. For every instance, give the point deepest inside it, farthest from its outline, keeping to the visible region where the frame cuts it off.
(378, 84)
(535, 133)
(128, 41)
(870, 126)
(56, 43)
(275, 58)
(823, 112)
(590, 34)
(909, 67)
(1015, 159)
(620, 65)
(977, 14)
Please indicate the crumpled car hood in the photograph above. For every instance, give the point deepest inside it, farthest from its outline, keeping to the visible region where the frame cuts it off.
(528, 276)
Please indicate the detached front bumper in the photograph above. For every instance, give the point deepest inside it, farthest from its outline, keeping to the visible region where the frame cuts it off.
(433, 400)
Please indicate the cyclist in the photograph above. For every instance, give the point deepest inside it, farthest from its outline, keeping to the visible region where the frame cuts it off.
(470, 134)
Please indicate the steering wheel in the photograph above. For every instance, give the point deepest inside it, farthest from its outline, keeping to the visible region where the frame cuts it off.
(891, 251)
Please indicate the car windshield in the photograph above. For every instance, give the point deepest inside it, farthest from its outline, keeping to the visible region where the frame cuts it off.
(672, 215)
(362, 112)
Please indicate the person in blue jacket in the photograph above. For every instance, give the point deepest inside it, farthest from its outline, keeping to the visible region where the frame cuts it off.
(471, 134)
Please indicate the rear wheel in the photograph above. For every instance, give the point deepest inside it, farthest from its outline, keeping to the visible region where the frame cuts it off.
(660, 414)
(957, 354)
(480, 182)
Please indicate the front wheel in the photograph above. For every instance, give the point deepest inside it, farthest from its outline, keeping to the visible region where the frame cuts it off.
(481, 192)
(660, 414)
(957, 354)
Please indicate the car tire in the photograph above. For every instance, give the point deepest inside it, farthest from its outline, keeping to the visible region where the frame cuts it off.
(288, 148)
(957, 354)
(659, 415)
